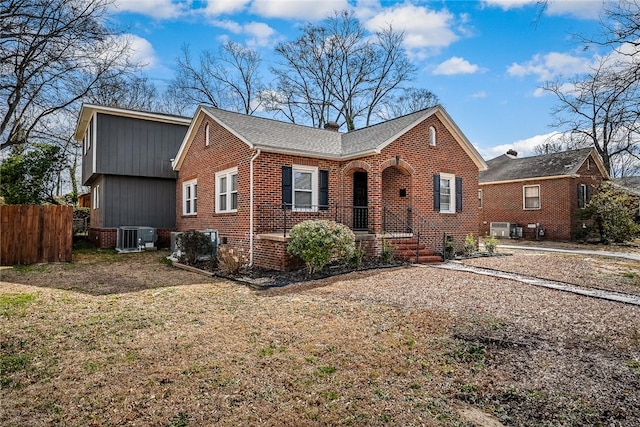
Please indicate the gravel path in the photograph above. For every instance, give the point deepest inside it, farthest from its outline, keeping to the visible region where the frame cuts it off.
(561, 286)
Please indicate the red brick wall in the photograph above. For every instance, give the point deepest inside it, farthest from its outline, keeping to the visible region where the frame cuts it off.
(558, 214)
(408, 163)
(108, 237)
(424, 160)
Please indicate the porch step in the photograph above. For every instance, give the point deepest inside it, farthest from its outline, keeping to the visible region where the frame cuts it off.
(405, 249)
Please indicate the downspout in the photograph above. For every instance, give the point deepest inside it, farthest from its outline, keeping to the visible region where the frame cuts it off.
(253, 158)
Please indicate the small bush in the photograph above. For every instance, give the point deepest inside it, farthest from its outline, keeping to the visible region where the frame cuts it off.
(449, 247)
(192, 246)
(386, 255)
(317, 242)
(231, 260)
(490, 244)
(470, 244)
(356, 257)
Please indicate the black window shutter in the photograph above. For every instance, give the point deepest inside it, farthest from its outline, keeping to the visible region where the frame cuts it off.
(287, 187)
(436, 192)
(458, 194)
(323, 190)
(581, 201)
(587, 197)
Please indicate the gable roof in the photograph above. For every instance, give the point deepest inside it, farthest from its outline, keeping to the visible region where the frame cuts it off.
(507, 168)
(275, 136)
(87, 111)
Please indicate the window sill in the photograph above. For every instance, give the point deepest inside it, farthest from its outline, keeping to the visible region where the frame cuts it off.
(189, 215)
(226, 212)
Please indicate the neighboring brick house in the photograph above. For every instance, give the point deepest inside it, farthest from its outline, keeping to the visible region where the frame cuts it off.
(252, 178)
(126, 160)
(547, 190)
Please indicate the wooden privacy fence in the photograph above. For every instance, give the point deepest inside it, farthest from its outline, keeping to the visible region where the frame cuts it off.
(31, 234)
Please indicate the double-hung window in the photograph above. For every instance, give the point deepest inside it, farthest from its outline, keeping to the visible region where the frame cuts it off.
(190, 197)
(447, 193)
(584, 195)
(305, 187)
(227, 191)
(531, 197)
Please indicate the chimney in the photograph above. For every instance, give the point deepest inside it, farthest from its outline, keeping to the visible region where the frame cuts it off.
(512, 152)
(332, 126)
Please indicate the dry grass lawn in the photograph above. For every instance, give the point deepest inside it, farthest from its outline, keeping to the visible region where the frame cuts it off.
(127, 340)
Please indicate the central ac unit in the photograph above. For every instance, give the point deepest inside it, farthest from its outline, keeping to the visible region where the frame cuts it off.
(136, 238)
(502, 229)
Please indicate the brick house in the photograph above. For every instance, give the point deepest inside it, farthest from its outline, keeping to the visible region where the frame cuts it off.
(252, 178)
(126, 160)
(547, 190)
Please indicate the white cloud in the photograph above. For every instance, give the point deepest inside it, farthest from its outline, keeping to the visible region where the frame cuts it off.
(509, 4)
(479, 95)
(524, 147)
(423, 28)
(583, 9)
(158, 9)
(304, 10)
(142, 51)
(221, 7)
(455, 65)
(550, 66)
(261, 32)
(228, 25)
(588, 9)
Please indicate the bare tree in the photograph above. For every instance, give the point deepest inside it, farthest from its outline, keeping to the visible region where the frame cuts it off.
(52, 53)
(600, 109)
(227, 79)
(407, 101)
(131, 91)
(336, 71)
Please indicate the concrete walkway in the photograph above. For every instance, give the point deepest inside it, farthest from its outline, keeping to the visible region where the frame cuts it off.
(551, 284)
(611, 254)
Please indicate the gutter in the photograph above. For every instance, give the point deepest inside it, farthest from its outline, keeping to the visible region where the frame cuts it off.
(253, 158)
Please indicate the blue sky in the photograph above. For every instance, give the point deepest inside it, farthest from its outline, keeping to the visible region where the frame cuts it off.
(486, 60)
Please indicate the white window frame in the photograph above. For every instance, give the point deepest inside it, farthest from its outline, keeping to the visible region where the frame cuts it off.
(96, 197)
(206, 135)
(584, 196)
(432, 136)
(480, 198)
(452, 192)
(524, 198)
(228, 193)
(313, 170)
(88, 136)
(193, 186)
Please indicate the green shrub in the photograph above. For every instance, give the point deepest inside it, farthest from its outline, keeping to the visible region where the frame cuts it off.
(193, 245)
(613, 212)
(449, 247)
(470, 244)
(386, 256)
(317, 242)
(356, 257)
(490, 244)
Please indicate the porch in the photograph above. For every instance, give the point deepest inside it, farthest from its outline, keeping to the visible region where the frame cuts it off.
(413, 239)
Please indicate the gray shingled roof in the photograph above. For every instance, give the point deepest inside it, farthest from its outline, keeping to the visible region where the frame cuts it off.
(508, 168)
(269, 133)
(631, 183)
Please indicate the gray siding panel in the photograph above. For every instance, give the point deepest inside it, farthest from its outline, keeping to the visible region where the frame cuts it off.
(135, 147)
(138, 201)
